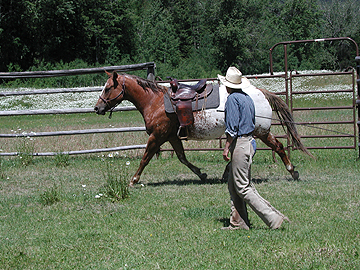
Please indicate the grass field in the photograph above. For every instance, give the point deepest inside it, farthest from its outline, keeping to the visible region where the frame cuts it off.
(58, 213)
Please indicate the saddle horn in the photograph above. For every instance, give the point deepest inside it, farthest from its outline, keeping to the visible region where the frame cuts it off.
(174, 84)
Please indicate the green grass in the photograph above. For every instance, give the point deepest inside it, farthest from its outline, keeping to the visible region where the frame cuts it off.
(52, 217)
(173, 220)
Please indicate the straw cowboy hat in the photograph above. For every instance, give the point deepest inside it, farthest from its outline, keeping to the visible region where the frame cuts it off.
(234, 79)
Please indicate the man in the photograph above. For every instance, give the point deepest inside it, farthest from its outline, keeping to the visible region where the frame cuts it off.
(240, 124)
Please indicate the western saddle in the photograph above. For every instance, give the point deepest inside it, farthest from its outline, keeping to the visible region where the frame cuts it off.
(182, 96)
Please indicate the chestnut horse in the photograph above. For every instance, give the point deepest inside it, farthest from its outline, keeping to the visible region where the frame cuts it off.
(148, 98)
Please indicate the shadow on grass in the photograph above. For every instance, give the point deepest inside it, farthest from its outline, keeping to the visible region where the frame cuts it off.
(209, 181)
(259, 180)
(224, 221)
(183, 182)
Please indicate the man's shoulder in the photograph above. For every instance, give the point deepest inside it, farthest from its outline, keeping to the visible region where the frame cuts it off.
(239, 95)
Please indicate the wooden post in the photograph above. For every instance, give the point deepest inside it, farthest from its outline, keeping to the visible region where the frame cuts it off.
(151, 73)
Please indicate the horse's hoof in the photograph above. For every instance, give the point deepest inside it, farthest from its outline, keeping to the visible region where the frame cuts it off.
(203, 176)
(133, 181)
(295, 175)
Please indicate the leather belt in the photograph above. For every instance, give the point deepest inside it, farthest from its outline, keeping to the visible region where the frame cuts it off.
(245, 135)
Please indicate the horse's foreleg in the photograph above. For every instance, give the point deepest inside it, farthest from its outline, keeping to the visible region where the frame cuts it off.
(180, 153)
(278, 147)
(151, 149)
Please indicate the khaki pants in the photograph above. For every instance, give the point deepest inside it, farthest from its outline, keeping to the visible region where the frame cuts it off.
(242, 192)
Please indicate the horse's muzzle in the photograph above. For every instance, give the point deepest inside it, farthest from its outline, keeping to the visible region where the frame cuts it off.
(99, 110)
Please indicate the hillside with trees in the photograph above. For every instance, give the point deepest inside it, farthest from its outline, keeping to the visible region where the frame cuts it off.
(186, 39)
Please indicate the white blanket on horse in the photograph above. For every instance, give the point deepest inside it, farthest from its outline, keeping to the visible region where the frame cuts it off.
(210, 124)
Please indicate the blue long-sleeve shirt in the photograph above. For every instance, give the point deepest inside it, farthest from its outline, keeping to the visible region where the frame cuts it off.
(239, 114)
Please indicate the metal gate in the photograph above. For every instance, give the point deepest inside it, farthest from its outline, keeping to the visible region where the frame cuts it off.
(331, 126)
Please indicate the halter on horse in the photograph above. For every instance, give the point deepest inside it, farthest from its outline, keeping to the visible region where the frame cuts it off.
(148, 98)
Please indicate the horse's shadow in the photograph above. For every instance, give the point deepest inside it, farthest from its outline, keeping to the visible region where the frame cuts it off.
(208, 181)
(259, 180)
(184, 182)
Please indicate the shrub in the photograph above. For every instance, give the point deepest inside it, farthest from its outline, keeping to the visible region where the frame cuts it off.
(61, 160)
(50, 196)
(25, 151)
(116, 187)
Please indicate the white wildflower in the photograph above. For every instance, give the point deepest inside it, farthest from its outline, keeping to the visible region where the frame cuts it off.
(127, 163)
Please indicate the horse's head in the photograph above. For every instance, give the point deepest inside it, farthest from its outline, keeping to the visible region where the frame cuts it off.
(112, 93)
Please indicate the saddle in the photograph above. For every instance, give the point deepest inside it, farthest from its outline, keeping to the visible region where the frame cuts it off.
(182, 97)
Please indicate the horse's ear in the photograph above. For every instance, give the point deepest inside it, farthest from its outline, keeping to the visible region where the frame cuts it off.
(108, 73)
(115, 76)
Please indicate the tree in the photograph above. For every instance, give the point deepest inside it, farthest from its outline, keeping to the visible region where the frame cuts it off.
(15, 34)
(156, 34)
(299, 20)
(238, 39)
(341, 19)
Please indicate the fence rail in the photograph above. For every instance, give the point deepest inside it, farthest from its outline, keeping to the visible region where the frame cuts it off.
(150, 67)
(60, 111)
(50, 91)
(72, 132)
(81, 152)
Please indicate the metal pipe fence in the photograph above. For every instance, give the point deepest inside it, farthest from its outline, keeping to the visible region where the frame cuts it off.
(289, 76)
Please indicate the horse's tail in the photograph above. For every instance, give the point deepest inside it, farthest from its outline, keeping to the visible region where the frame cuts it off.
(286, 119)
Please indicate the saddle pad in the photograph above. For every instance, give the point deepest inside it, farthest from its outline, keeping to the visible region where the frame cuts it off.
(210, 102)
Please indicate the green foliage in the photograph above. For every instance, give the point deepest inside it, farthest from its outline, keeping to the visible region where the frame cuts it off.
(185, 38)
(60, 82)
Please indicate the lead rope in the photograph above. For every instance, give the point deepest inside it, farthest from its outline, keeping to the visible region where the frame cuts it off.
(307, 125)
(111, 111)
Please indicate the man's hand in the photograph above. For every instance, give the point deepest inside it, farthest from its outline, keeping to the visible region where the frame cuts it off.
(226, 151)
(226, 154)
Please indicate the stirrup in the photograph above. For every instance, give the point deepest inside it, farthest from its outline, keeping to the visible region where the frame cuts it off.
(180, 135)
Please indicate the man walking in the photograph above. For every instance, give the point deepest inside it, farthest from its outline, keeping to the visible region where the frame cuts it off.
(240, 124)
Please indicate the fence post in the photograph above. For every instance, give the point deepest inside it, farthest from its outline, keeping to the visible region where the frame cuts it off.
(151, 72)
(357, 59)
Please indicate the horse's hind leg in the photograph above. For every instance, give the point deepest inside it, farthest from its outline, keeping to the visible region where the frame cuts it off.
(180, 153)
(278, 147)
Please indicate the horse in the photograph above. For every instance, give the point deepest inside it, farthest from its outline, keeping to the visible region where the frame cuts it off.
(148, 97)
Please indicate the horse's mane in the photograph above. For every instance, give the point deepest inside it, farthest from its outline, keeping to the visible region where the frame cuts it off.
(147, 84)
